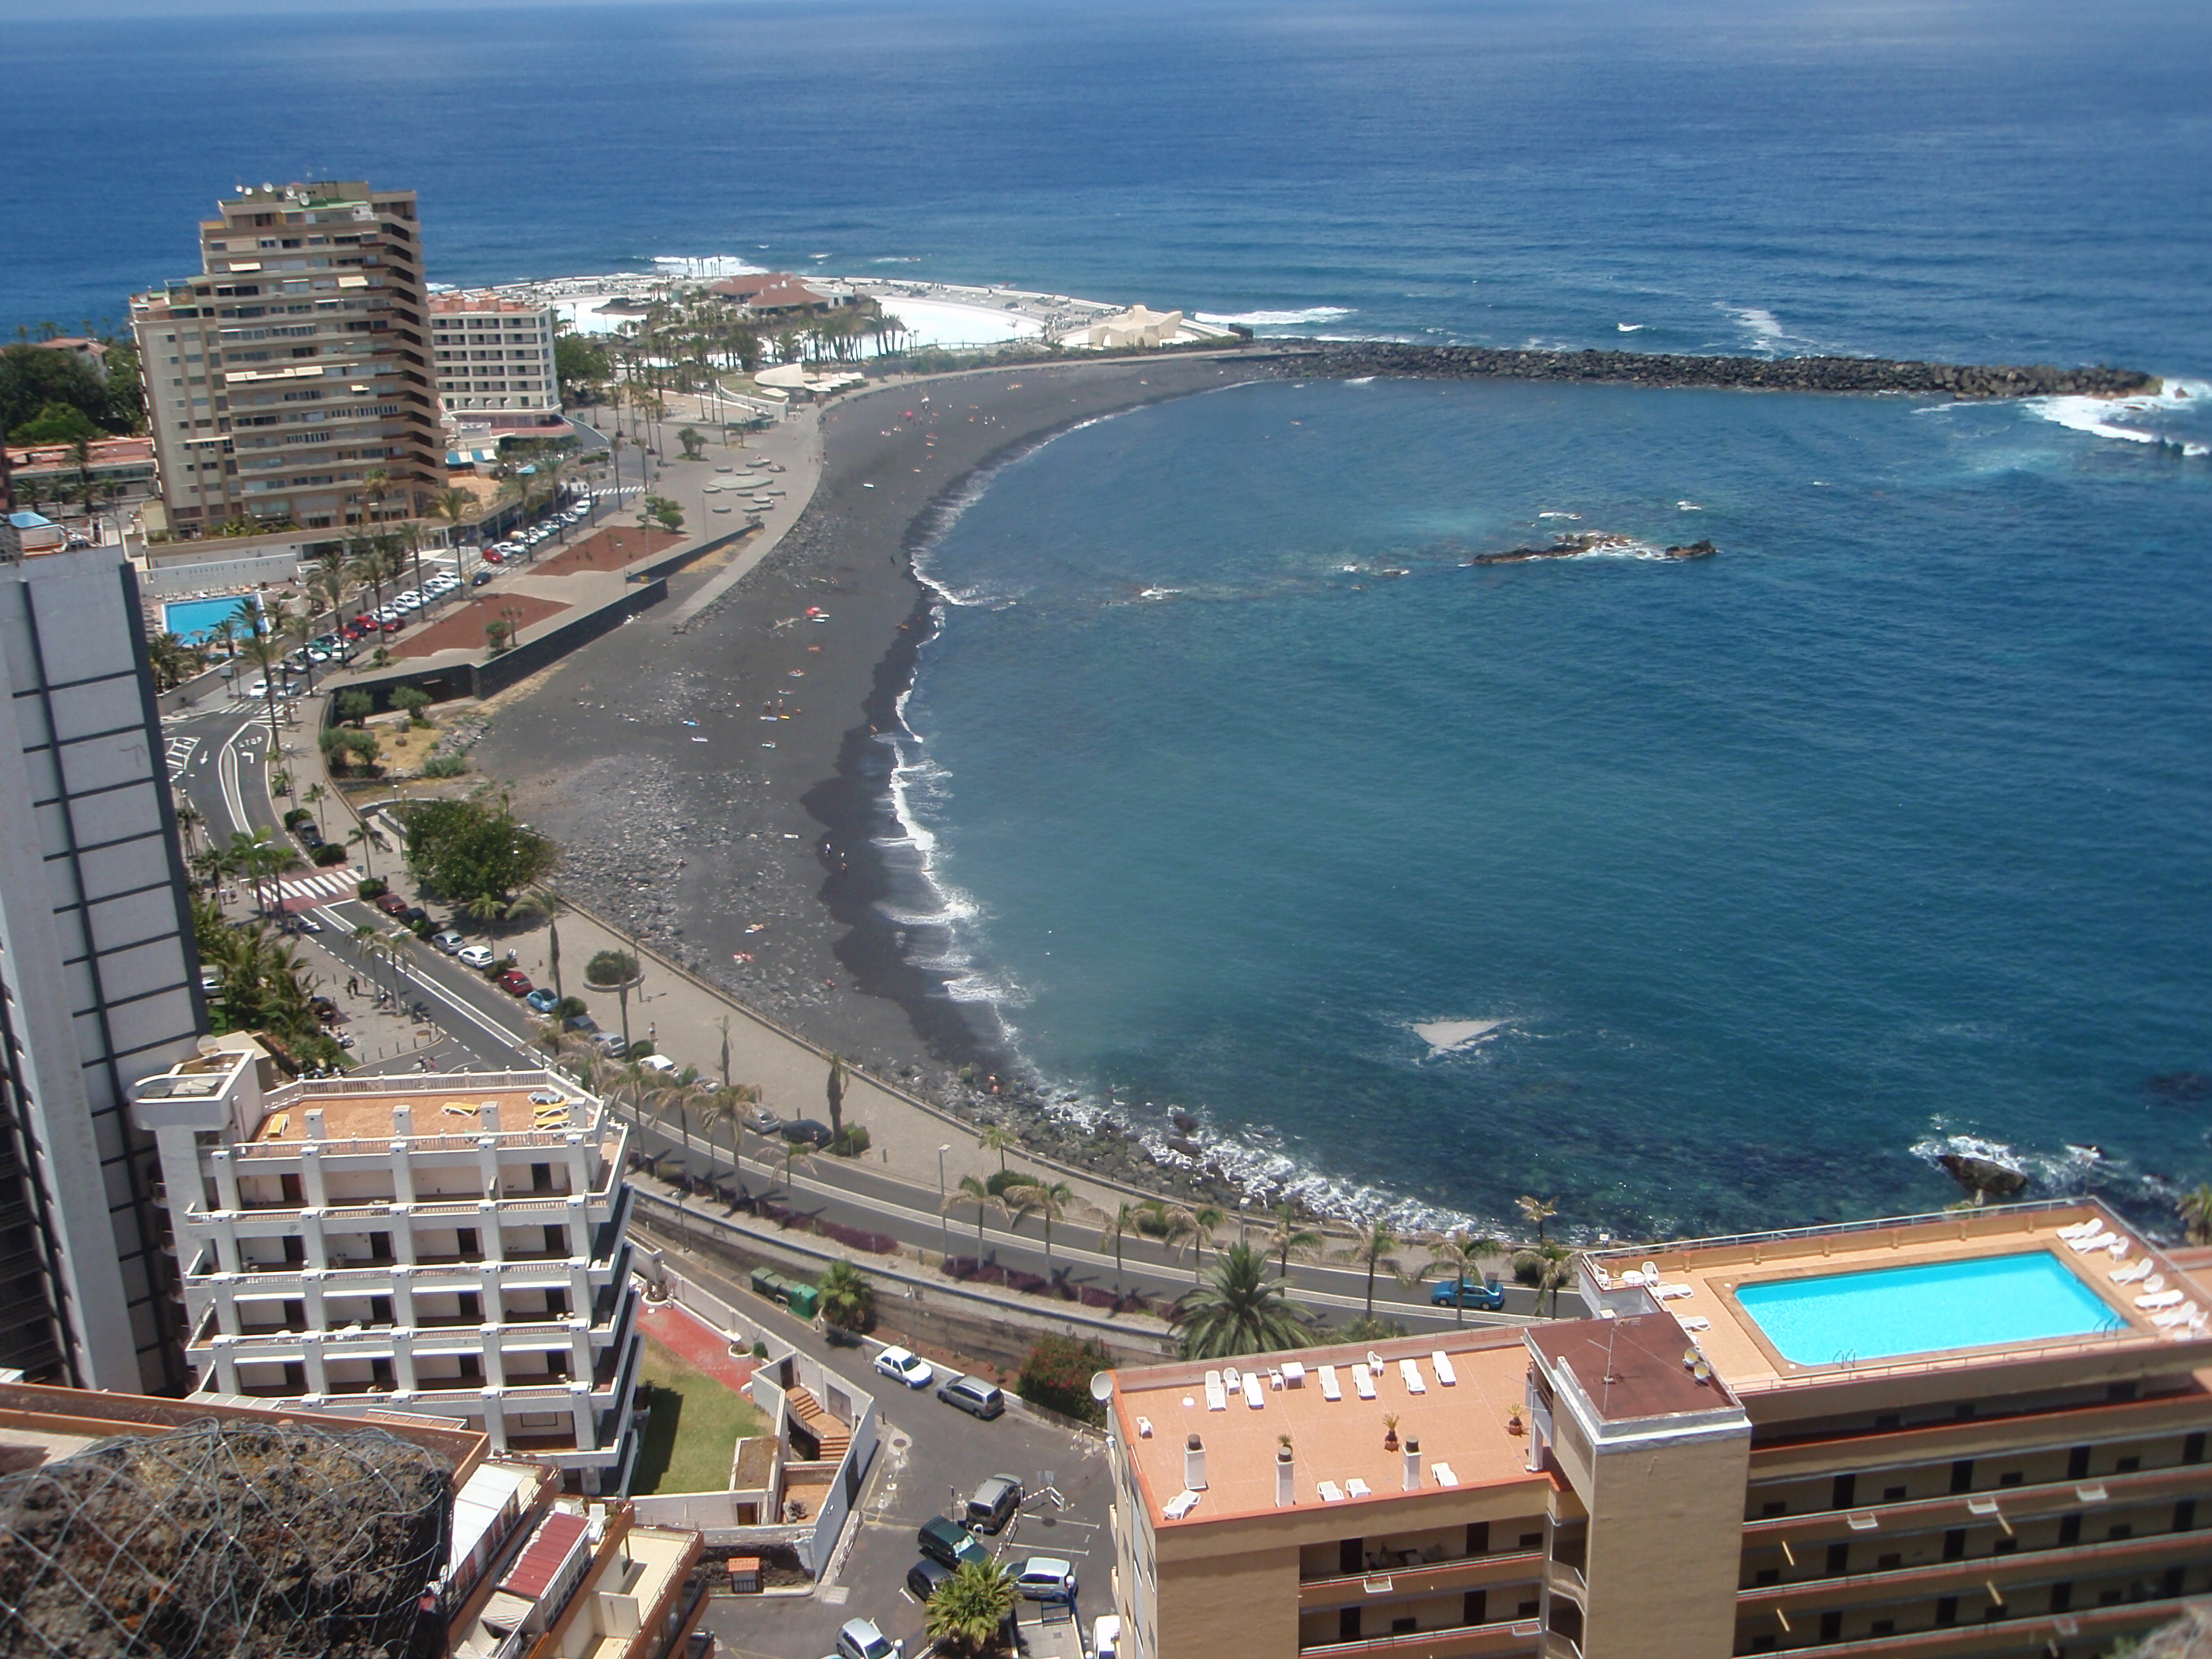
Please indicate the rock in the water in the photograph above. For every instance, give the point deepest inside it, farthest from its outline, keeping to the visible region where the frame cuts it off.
(1982, 1175)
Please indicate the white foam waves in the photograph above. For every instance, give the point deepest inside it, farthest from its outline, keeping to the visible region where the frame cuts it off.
(2130, 420)
(1303, 319)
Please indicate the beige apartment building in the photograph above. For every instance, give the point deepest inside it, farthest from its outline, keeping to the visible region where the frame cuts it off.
(454, 1245)
(494, 360)
(1974, 1433)
(296, 367)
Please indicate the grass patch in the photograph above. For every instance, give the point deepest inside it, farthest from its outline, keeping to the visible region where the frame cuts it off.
(697, 1425)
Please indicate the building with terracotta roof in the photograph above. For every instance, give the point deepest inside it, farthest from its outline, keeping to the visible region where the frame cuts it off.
(296, 366)
(456, 1245)
(1969, 1434)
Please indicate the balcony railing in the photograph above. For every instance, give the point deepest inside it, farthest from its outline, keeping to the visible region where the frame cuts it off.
(1423, 1577)
(2070, 1561)
(2038, 1632)
(1516, 1637)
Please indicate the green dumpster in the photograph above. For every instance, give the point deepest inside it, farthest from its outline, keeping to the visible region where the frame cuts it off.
(770, 1282)
(806, 1301)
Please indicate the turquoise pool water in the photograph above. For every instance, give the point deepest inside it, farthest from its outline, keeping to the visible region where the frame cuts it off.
(195, 620)
(1888, 1311)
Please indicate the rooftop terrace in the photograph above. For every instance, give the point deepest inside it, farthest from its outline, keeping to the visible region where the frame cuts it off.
(1334, 1414)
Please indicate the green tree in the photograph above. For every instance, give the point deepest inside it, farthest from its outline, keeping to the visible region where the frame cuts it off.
(1048, 1198)
(1461, 1256)
(543, 901)
(1556, 1269)
(1536, 1212)
(837, 1096)
(974, 1190)
(694, 442)
(1119, 1225)
(580, 365)
(1292, 1237)
(968, 1615)
(1240, 1311)
(2195, 1210)
(1056, 1374)
(467, 849)
(355, 706)
(1374, 1249)
(411, 701)
(1205, 1220)
(997, 1138)
(848, 1300)
(55, 424)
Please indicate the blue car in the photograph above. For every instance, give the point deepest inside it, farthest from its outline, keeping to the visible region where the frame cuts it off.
(542, 1000)
(1489, 1295)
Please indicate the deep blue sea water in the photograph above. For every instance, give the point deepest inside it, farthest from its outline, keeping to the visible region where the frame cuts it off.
(1887, 824)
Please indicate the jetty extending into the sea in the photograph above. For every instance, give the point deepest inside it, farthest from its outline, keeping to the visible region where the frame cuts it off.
(1339, 360)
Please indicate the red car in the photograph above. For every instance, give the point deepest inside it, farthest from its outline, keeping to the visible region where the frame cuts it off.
(516, 983)
(493, 556)
(392, 904)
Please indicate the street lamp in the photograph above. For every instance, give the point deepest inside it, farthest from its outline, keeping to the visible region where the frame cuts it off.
(944, 1223)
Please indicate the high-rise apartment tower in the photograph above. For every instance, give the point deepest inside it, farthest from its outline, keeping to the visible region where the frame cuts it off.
(292, 382)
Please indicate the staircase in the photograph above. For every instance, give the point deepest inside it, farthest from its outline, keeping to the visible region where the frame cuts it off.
(834, 1436)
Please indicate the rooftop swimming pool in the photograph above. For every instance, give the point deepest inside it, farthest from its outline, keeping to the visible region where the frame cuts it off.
(1885, 1312)
(194, 621)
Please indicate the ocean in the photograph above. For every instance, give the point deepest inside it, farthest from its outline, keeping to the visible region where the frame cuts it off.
(1883, 830)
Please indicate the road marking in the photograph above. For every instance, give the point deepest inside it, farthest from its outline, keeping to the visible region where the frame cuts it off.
(179, 752)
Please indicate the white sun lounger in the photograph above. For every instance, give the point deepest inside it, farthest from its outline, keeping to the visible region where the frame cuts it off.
(2082, 1229)
(1446, 1375)
(1217, 1397)
(1356, 1487)
(2159, 1299)
(2139, 1268)
(1444, 1474)
(1180, 1505)
(1674, 1292)
(1696, 1323)
(2096, 1241)
(1329, 1390)
(2117, 1249)
(1331, 1493)
(2180, 1315)
(1254, 1396)
(1410, 1370)
(1364, 1380)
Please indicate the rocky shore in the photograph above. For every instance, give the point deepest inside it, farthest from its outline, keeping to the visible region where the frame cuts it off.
(1350, 360)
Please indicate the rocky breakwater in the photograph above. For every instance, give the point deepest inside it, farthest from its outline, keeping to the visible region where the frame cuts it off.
(1595, 541)
(1354, 359)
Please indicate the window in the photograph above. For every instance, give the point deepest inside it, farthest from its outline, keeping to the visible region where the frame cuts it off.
(1831, 1626)
(1477, 1538)
(1893, 1494)
(2077, 1463)
(1946, 1609)
(1888, 1563)
(1962, 1476)
(1767, 1575)
(1839, 1558)
(2127, 1465)
(1767, 1509)
(2070, 1529)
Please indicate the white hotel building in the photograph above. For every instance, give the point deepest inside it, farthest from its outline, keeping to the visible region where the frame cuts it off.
(494, 360)
(450, 1245)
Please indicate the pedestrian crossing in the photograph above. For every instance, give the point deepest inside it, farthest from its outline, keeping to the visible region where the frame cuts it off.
(180, 750)
(323, 887)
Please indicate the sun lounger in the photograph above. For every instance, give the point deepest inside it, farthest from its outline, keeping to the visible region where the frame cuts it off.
(1410, 1372)
(2118, 1249)
(1674, 1292)
(1331, 1493)
(2139, 1268)
(1217, 1398)
(2082, 1229)
(2155, 1282)
(1696, 1323)
(1254, 1395)
(2096, 1241)
(2180, 1315)
(1364, 1380)
(1180, 1505)
(1444, 1476)
(1356, 1487)
(2159, 1299)
(1329, 1390)
(1446, 1375)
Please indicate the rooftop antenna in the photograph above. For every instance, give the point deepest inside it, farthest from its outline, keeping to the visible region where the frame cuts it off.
(1611, 1336)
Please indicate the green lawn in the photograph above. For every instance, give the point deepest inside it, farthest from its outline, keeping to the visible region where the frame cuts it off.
(696, 1425)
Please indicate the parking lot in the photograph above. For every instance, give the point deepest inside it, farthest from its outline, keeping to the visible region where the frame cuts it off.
(932, 1457)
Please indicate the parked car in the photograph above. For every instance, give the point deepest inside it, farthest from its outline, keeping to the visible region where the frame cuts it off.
(480, 579)
(582, 1024)
(858, 1638)
(660, 1065)
(1047, 1578)
(1486, 1294)
(807, 1132)
(516, 983)
(415, 916)
(613, 1044)
(392, 905)
(993, 1504)
(975, 1397)
(923, 1577)
(449, 941)
(904, 1365)
(541, 1001)
(948, 1544)
(475, 956)
(1106, 1635)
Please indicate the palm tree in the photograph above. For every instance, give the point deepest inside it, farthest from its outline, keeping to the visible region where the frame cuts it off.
(793, 1153)
(452, 506)
(969, 1610)
(261, 858)
(360, 836)
(1374, 1248)
(1537, 1210)
(1291, 1238)
(1049, 1199)
(1170, 1224)
(997, 1138)
(837, 1098)
(1464, 1255)
(973, 1189)
(298, 631)
(1558, 1268)
(1119, 1225)
(2195, 1210)
(1240, 1312)
(545, 901)
(848, 1298)
(312, 798)
(1204, 1220)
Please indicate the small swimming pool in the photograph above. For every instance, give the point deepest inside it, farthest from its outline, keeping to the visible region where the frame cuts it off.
(2027, 1296)
(194, 621)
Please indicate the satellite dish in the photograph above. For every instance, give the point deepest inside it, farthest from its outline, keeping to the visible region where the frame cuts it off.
(1102, 1386)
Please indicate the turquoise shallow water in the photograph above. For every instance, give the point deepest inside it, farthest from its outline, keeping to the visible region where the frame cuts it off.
(1882, 831)
(2027, 1298)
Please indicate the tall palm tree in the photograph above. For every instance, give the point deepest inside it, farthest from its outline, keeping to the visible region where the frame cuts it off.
(542, 901)
(1292, 1237)
(1374, 1248)
(974, 1190)
(1171, 1224)
(1205, 1218)
(1049, 1199)
(365, 564)
(1462, 1255)
(1537, 1210)
(1119, 1225)
(999, 1138)
(359, 836)
(452, 506)
(312, 798)
(1242, 1311)
(1557, 1267)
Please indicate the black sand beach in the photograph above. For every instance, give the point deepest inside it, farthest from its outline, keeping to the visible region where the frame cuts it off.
(715, 789)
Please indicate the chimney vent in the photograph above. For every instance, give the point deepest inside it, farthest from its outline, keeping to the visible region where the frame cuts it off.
(1286, 1478)
(1412, 1464)
(1193, 1464)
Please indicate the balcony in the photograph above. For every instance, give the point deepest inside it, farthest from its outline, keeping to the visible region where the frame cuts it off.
(2093, 1629)
(2068, 1561)
(1502, 1641)
(1464, 1572)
